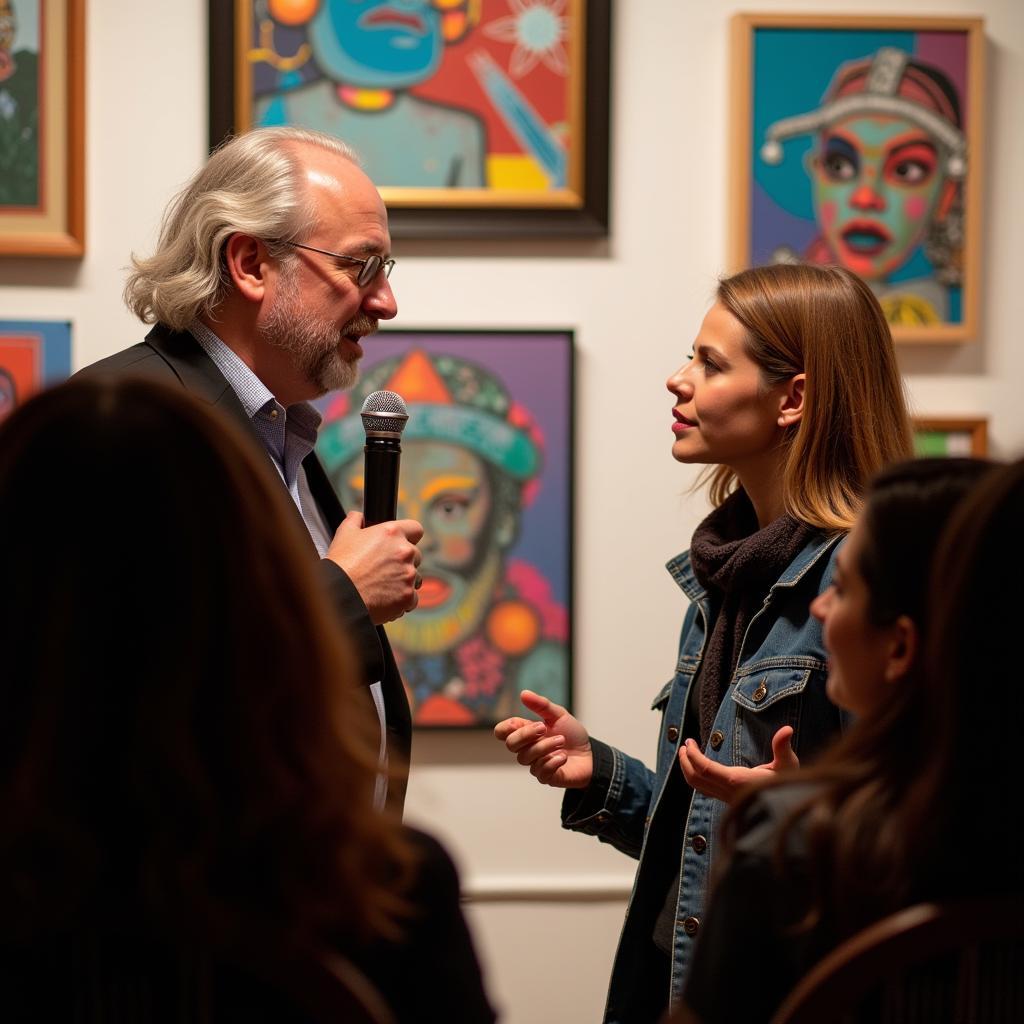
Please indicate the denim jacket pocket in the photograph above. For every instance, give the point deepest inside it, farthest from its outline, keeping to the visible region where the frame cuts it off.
(763, 701)
(759, 689)
(669, 704)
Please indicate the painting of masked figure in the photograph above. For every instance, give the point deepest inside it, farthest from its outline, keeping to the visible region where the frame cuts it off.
(486, 468)
(859, 144)
(465, 103)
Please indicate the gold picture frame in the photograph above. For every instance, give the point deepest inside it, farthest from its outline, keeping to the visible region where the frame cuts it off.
(42, 152)
(951, 435)
(857, 140)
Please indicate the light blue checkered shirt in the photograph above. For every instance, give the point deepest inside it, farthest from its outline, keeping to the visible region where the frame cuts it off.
(288, 435)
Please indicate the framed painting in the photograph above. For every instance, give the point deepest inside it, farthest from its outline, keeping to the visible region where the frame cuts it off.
(858, 141)
(487, 469)
(951, 435)
(475, 118)
(42, 127)
(33, 355)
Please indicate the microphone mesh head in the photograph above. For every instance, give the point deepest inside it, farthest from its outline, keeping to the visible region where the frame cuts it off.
(384, 411)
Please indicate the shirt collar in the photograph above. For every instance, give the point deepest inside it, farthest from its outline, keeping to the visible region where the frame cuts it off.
(254, 395)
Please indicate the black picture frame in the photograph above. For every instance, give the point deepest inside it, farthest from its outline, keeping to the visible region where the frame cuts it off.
(505, 400)
(588, 217)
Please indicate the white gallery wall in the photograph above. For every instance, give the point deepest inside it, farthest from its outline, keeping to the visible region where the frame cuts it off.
(546, 905)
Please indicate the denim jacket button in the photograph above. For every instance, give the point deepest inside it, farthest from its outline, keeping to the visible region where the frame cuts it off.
(761, 692)
(700, 844)
(691, 925)
(672, 734)
(717, 739)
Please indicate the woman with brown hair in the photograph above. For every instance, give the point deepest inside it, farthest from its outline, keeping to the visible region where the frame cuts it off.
(792, 393)
(187, 762)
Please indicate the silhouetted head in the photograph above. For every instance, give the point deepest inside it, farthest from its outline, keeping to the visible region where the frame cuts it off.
(181, 740)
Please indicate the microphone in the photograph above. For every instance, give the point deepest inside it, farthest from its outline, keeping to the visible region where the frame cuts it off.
(384, 416)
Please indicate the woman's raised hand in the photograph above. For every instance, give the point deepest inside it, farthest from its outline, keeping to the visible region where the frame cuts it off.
(556, 749)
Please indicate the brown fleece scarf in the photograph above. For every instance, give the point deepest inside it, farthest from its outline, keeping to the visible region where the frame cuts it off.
(736, 563)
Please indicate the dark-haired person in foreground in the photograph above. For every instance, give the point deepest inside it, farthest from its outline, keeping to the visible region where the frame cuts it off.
(817, 854)
(271, 267)
(187, 767)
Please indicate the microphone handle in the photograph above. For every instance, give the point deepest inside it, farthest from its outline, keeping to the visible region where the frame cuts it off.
(381, 458)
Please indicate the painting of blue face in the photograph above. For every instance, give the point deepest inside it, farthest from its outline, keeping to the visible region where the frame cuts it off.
(377, 44)
(470, 116)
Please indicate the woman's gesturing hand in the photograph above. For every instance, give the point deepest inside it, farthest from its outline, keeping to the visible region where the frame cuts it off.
(556, 749)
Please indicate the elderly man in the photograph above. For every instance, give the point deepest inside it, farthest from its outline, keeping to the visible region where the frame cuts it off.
(271, 267)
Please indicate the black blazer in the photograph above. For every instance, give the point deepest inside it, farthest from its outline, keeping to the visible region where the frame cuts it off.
(177, 357)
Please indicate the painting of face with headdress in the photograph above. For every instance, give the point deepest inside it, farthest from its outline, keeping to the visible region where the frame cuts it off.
(486, 469)
(862, 149)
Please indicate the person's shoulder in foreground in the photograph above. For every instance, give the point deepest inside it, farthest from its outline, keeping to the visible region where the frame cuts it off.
(432, 973)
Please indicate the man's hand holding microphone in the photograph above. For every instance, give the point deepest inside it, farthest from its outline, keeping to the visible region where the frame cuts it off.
(378, 551)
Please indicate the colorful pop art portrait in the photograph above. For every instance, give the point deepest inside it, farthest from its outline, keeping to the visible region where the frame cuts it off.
(475, 103)
(33, 355)
(486, 468)
(861, 149)
(42, 112)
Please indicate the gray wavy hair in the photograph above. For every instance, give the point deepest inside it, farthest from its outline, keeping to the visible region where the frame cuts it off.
(253, 184)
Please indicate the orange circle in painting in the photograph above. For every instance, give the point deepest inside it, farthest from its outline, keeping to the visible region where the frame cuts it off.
(293, 12)
(454, 25)
(440, 710)
(513, 627)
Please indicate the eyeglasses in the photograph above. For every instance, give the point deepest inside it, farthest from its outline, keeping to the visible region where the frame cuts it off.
(369, 270)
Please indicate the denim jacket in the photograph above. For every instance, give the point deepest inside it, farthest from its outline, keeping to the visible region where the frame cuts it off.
(779, 680)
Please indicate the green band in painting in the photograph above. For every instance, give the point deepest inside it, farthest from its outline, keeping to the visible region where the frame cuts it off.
(507, 447)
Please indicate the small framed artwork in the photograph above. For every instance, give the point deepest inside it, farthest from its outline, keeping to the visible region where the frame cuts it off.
(487, 469)
(33, 355)
(950, 435)
(475, 118)
(857, 141)
(42, 127)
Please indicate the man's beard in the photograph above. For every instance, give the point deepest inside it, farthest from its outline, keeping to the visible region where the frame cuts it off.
(313, 341)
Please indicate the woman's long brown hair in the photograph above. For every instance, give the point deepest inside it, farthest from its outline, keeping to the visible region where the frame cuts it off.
(824, 322)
